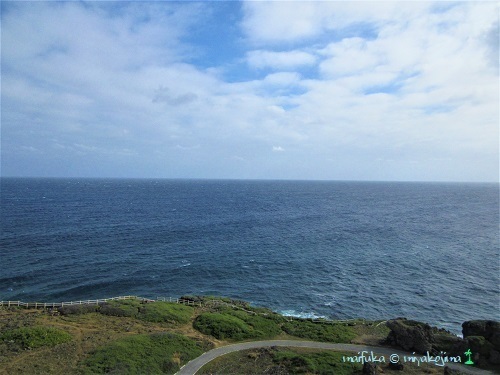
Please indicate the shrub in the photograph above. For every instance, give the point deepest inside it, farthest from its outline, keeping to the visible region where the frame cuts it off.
(142, 354)
(323, 363)
(156, 312)
(35, 337)
(117, 310)
(267, 326)
(165, 312)
(77, 309)
(295, 363)
(222, 326)
(319, 331)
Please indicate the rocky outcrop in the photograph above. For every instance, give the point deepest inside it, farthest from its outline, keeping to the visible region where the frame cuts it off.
(482, 337)
(420, 337)
(486, 328)
(410, 335)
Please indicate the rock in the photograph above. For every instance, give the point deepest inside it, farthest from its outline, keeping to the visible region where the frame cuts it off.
(410, 335)
(449, 371)
(494, 358)
(485, 328)
(444, 342)
(478, 345)
(495, 340)
(369, 369)
(396, 366)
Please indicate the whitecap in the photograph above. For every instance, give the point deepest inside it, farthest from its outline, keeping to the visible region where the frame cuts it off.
(302, 314)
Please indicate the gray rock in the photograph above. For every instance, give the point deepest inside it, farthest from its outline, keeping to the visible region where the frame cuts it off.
(449, 371)
(494, 357)
(485, 328)
(396, 366)
(410, 335)
(369, 369)
(495, 340)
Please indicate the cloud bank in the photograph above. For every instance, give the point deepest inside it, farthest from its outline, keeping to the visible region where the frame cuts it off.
(302, 90)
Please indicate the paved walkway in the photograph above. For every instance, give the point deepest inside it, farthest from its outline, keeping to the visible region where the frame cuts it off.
(193, 366)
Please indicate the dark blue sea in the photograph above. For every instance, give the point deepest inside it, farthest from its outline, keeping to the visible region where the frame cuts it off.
(425, 251)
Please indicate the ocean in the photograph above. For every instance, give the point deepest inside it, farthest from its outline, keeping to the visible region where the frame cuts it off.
(340, 250)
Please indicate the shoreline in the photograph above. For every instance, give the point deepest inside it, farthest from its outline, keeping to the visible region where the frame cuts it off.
(212, 322)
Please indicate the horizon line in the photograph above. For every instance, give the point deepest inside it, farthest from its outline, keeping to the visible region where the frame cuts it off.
(243, 179)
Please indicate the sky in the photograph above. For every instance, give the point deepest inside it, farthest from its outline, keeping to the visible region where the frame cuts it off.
(366, 91)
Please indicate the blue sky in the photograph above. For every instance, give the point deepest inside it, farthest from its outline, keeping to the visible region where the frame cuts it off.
(403, 91)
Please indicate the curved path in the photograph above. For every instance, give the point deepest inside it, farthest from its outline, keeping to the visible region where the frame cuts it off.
(193, 366)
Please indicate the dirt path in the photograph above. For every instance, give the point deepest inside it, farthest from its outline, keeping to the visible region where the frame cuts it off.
(193, 366)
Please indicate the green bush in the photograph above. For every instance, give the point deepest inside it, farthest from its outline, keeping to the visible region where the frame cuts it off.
(77, 309)
(142, 354)
(295, 363)
(165, 312)
(156, 312)
(222, 326)
(323, 363)
(236, 325)
(319, 331)
(267, 326)
(35, 337)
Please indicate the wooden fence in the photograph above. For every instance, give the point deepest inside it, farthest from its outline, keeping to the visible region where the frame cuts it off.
(94, 302)
(147, 300)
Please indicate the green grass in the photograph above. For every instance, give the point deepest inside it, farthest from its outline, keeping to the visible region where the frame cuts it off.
(236, 325)
(281, 361)
(266, 325)
(323, 363)
(320, 331)
(165, 312)
(156, 312)
(128, 308)
(223, 326)
(35, 337)
(142, 354)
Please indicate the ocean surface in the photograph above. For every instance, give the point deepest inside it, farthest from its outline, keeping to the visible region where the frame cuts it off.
(376, 250)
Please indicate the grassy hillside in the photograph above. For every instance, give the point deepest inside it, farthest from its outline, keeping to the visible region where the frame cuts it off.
(130, 337)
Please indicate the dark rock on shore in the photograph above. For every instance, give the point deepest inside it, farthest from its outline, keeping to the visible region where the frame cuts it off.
(482, 337)
(486, 328)
(410, 335)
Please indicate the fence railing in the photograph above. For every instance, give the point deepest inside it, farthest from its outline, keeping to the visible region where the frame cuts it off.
(94, 302)
(148, 300)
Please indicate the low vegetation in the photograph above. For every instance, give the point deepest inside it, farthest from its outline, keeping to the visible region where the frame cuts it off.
(236, 325)
(142, 354)
(35, 337)
(158, 312)
(131, 336)
(281, 361)
(338, 332)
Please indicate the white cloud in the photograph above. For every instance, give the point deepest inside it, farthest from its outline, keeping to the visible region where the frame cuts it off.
(282, 78)
(277, 21)
(283, 21)
(122, 85)
(279, 60)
